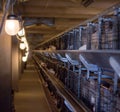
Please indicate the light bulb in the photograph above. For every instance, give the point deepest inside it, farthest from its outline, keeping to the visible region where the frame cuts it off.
(23, 39)
(24, 58)
(22, 46)
(21, 32)
(12, 25)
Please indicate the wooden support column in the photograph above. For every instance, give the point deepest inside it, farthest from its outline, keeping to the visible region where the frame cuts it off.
(15, 63)
(5, 73)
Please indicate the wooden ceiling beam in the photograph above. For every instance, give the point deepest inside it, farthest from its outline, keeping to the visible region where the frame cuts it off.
(60, 25)
(64, 22)
(53, 3)
(65, 3)
(58, 22)
(41, 31)
(65, 10)
(51, 15)
(59, 13)
(37, 31)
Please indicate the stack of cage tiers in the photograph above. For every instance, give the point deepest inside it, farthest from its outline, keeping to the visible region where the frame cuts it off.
(94, 38)
(88, 90)
(117, 103)
(77, 40)
(83, 37)
(62, 74)
(107, 35)
(89, 93)
(102, 35)
(107, 99)
(71, 82)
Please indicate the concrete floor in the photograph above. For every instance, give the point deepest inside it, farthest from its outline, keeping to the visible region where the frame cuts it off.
(31, 96)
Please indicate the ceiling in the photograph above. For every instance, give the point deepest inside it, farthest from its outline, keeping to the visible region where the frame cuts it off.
(47, 19)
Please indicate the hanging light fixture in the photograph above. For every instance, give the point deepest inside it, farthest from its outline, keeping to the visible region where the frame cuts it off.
(23, 39)
(12, 25)
(24, 58)
(21, 33)
(22, 45)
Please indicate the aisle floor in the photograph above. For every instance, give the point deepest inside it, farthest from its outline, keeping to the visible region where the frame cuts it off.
(31, 96)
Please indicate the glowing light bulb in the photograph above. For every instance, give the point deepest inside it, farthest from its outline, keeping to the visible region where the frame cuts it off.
(22, 46)
(24, 58)
(23, 39)
(12, 25)
(21, 32)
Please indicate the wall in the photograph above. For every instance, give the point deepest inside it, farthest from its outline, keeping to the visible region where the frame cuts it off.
(5, 72)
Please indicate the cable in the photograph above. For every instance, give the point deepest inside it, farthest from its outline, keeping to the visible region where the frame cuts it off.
(18, 37)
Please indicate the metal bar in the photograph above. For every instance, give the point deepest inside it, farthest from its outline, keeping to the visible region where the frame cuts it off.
(118, 18)
(100, 21)
(115, 83)
(115, 65)
(80, 36)
(99, 91)
(93, 77)
(115, 31)
(106, 76)
(59, 43)
(74, 40)
(79, 83)
(68, 74)
(68, 41)
(89, 33)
